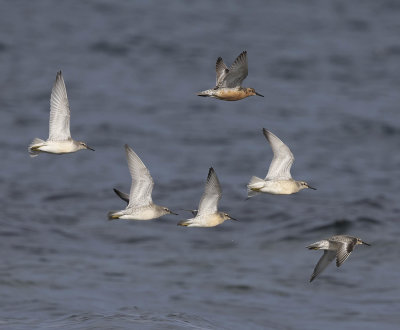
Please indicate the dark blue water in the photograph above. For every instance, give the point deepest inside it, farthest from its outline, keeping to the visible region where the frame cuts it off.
(330, 73)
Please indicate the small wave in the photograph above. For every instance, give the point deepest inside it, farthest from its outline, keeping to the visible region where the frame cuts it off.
(7, 233)
(368, 202)
(363, 126)
(70, 195)
(136, 320)
(109, 48)
(65, 234)
(3, 47)
(138, 240)
(237, 288)
(295, 68)
(341, 226)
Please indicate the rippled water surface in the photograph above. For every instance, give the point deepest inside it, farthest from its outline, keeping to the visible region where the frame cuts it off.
(330, 73)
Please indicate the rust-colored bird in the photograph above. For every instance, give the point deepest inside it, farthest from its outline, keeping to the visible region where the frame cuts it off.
(229, 81)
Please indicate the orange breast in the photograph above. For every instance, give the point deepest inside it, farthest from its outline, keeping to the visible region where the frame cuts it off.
(230, 95)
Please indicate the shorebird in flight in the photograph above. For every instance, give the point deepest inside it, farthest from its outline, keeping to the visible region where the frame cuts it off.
(140, 204)
(278, 180)
(339, 247)
(207, 214)
(229, 81)
(59, 141)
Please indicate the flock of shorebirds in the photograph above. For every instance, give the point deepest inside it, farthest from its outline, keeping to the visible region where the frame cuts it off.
(140, 204)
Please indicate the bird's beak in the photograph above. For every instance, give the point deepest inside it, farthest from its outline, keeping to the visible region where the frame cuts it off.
(259, 94)
(173, 212)
(232, 218)
(87, 147)
(308, 186)
(365, 243)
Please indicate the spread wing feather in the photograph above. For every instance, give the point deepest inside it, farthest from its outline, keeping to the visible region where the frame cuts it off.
(211, 196)
(234, 76)
(282, 161)
(142, 182)
(221, 70)
(59, 111)
(323, 262)
(344, 252)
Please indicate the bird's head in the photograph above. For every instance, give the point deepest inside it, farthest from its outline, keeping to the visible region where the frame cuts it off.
(226, 216)
(304, 185)
(83, 145)
(359, 241)
(168, 211)
(252, 91)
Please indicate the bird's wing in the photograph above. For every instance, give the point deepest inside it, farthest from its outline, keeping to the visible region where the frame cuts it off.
(279, 169)
(324, 261)
(222, 70)
(142, 182)
(59, 111)
(343, 252)
(211, 196)
(237, 72)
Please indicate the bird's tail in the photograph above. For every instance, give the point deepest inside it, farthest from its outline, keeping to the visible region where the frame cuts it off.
(208, 92)
(34, 147)
(316, 246)
(113, 215)
(254, 186)
(184, 223)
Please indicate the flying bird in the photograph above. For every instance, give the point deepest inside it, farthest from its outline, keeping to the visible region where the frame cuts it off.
(339, 247)
(59, 141)
(229, 81)
(140, 204)
(207, 214)
(278, 180)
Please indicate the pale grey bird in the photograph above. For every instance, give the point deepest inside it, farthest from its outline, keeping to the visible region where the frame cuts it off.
(339, 247)
(140, 205)
(59, 141)
(125, 197)
(229, 81)
(278, 180)
(207, 214)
